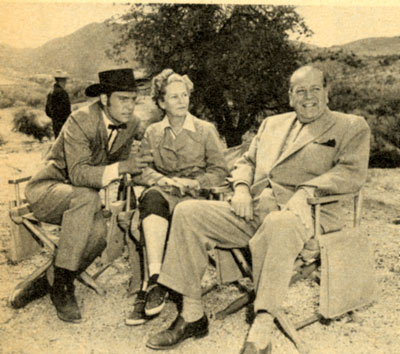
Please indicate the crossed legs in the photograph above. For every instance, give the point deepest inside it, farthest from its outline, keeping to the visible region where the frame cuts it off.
(198, 226)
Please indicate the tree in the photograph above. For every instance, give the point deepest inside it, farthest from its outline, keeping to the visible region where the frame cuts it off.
(239, 57)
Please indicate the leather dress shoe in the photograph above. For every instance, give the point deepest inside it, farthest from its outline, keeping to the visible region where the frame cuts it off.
(26, 292)
(178, 332)
(251, 348)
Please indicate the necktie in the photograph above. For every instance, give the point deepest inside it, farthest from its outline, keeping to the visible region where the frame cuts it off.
(113, 135)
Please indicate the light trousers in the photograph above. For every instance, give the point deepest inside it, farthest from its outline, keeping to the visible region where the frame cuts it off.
(198, 226)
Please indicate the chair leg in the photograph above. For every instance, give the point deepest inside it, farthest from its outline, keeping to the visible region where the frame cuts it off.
(87, 280)
(236, 305)
(308, 321)
(138, 268)
(26, 284)
(291, 331)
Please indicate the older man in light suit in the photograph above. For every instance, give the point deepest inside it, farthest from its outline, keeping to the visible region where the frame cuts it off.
(92, 150)
(294, 156)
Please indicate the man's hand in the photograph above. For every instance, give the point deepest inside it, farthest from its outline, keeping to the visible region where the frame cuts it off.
(242, 202)
(299, 206)
(134, 164)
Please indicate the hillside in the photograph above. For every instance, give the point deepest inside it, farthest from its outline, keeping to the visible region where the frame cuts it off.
(82, 53)
(378, 46)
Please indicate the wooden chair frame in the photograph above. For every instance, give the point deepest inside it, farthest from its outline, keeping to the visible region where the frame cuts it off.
(28, 236)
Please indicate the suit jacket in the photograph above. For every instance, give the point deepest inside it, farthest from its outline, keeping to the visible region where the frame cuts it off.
(196, 154)
(79, 155)
(330, 153)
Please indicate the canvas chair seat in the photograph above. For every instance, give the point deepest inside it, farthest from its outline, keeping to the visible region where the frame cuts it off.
(29, 235)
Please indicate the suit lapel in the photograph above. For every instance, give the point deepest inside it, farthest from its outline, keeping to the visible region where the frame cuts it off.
(98, 112)
(276, 137)
(310, 132)
(122, 136)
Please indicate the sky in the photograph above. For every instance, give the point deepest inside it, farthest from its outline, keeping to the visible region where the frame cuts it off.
(29, 25)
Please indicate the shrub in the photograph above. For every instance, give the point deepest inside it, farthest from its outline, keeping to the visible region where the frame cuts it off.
(2, 140)
(6, 102)
(30, 123)
(31, 95)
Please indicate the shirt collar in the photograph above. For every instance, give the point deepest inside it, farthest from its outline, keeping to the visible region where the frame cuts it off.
(106, 120)
(188, 124)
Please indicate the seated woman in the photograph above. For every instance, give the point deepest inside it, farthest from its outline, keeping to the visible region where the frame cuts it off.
(188, 156)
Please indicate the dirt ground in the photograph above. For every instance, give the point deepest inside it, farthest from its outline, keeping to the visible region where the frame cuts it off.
(36, 328)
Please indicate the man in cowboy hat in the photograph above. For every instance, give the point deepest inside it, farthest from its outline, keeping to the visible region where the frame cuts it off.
(92, 150)
(58, 106)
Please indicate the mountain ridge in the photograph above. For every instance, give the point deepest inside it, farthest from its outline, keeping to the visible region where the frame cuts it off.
(83, 53)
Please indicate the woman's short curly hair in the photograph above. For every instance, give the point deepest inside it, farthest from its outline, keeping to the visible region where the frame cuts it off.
(161, 81)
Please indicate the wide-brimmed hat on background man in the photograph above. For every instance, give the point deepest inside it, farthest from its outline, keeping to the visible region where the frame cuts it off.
(111, 81)
(59, 74)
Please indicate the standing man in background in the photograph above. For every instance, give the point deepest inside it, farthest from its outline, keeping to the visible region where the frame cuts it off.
(58, 106)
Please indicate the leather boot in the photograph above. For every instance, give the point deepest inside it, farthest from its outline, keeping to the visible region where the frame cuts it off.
(62, 295)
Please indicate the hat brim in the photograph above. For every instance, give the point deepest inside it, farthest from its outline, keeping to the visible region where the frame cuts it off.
(98, 89)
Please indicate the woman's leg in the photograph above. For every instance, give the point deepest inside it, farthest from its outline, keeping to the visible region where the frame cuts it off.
(154, 211)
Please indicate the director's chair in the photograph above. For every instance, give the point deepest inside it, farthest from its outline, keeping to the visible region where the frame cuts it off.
(339, 261)
(29, 235)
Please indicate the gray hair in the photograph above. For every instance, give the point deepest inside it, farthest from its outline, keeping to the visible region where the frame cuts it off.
(163, 79)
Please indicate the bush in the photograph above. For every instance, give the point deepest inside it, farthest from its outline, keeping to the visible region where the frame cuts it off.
(6, 102)
(30, 123)
(31, 95)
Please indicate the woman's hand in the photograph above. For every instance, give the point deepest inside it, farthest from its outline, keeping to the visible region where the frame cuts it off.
(188, 182)
(169, 182)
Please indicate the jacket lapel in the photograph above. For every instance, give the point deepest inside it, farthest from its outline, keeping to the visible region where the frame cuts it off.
(124, 135)
(98, 112)
(276, 137)
(310, 132)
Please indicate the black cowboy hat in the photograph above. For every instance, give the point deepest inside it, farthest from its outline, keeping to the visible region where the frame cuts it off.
(111, 81)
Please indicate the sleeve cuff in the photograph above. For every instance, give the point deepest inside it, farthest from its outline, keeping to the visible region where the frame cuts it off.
(236, 183)
(110, 174)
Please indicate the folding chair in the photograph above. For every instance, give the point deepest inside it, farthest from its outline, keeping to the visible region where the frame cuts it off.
(29, 235)
(346, 265)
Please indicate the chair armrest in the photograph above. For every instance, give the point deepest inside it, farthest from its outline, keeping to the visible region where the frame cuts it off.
(318, 201)
(225, 188)
(19, 180)
(219, 192)
(331, 198)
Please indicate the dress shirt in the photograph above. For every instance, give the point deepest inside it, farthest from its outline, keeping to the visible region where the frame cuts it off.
(188, 124)
(111, 171)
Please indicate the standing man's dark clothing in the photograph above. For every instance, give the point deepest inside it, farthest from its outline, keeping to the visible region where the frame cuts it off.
(58, 106)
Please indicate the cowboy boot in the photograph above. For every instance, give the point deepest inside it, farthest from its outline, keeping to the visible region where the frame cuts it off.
(62, 295)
